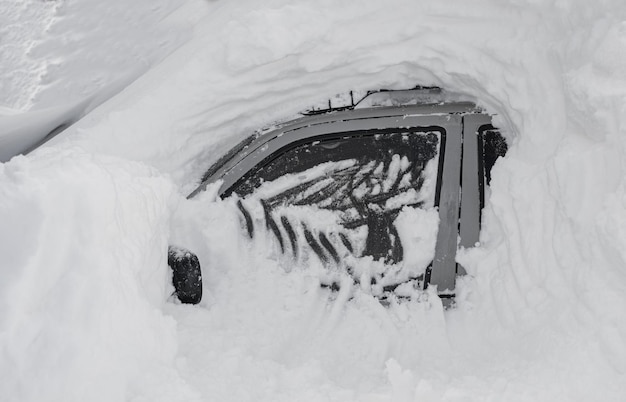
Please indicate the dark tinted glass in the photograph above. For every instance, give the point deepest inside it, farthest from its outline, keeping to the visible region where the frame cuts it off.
(366, 177)
(494, 146)
(365, 149)
(491, 146)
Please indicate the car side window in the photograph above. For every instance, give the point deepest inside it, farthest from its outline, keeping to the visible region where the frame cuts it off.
(365, 178)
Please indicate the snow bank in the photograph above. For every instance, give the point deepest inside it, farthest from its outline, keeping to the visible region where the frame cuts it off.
(84, 277)
(58, 52)
(60, 60)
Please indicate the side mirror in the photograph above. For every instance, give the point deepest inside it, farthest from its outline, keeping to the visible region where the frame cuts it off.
(187, 276)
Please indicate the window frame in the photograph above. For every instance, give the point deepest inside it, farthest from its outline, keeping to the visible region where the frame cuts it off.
(458, 196)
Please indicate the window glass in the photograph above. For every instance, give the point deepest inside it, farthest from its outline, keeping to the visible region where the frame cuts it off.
(491, 146)
(342, 194)
(494, 146)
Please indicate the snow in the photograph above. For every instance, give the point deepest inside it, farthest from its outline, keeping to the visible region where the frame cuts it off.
(62, 59)
(84, 278)
(166, 87)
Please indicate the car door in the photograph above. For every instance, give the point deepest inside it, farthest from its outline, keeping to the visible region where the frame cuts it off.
(369, 168)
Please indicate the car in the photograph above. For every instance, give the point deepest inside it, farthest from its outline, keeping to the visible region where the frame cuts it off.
(383, 190)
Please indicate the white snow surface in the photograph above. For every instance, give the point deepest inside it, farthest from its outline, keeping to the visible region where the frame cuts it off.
(85, 306)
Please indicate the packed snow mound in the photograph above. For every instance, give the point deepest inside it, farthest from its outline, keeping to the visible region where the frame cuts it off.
(539, 317)
(84, 278)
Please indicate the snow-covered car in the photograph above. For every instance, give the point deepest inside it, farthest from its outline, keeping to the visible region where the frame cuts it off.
(383, 191)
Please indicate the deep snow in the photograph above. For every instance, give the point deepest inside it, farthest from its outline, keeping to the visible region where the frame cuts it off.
(85, 312)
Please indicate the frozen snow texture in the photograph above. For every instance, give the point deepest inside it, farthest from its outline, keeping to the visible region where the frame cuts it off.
(540, 316)
(84, 277)
(61, 59)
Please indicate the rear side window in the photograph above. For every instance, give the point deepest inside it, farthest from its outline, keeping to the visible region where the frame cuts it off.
(491, 146)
